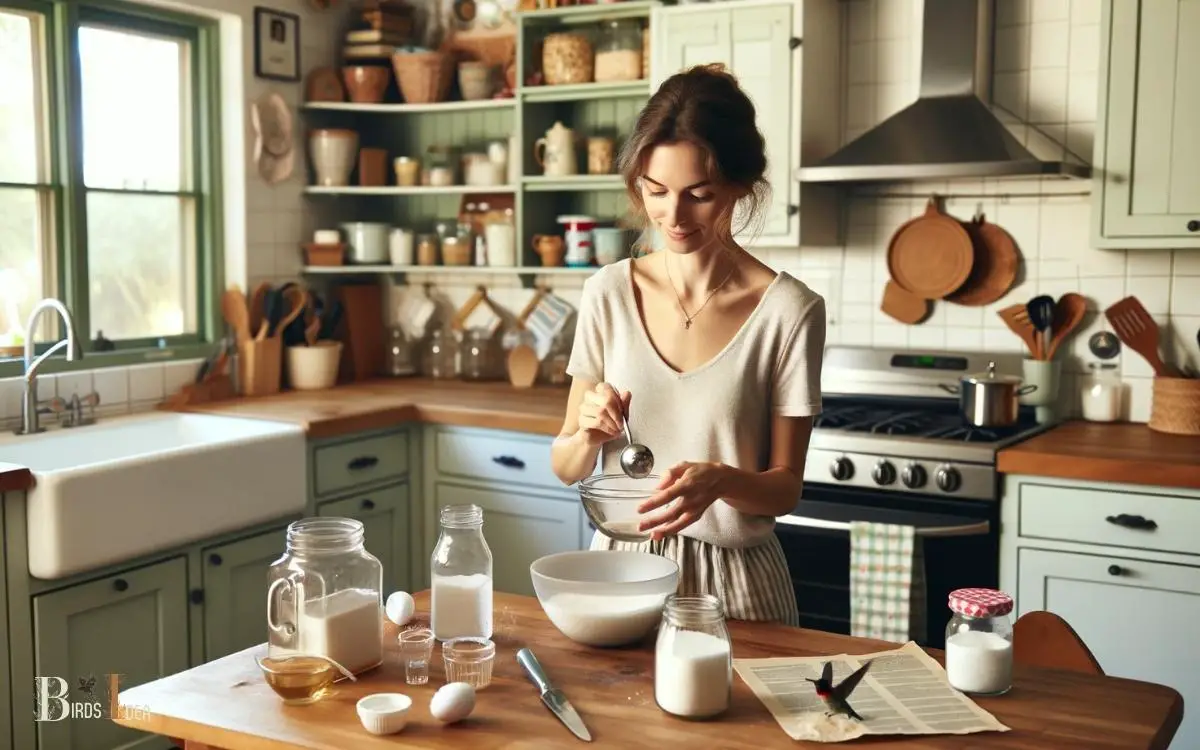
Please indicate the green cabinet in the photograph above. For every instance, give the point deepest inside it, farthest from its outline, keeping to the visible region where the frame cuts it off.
(233, 591)
(384, 513)
(1147, 155)
(134, 624)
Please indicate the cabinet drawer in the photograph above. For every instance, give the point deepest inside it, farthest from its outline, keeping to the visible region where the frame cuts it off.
(1166, 523)
(496, 457)
(354, 463)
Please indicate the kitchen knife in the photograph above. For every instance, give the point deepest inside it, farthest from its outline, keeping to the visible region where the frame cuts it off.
(554, 698)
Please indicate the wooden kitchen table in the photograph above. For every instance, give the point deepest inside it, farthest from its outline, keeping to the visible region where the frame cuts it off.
(225, 704)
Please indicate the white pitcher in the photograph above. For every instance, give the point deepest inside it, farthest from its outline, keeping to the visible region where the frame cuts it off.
(555, 152)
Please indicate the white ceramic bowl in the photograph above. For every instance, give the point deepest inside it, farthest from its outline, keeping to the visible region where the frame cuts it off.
(384, 713)
(604, 597)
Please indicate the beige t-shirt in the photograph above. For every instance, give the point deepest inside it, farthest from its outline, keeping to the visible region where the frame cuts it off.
(720, 411)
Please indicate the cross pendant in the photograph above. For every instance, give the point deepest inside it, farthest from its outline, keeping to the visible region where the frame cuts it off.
(687, 324)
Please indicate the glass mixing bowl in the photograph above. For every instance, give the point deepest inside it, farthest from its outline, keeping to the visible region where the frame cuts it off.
(611, 501)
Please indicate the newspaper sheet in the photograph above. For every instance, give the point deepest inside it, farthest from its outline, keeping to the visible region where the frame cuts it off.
(905, 691)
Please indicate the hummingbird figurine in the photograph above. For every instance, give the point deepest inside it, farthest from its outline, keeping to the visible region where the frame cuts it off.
(836, 698)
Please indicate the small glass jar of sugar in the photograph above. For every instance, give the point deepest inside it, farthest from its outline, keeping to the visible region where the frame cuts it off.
(460, 604)
(325, 595)
(979, 641)
(693, 658)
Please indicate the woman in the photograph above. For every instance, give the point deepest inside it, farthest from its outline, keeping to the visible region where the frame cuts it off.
(715, 358)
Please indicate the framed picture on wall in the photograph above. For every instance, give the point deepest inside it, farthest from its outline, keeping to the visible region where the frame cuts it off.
(276, 45)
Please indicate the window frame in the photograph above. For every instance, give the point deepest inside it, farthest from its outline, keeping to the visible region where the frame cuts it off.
(67, 220)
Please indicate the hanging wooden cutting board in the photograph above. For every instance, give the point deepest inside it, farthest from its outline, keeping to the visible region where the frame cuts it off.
(995, 269)
(931, 255)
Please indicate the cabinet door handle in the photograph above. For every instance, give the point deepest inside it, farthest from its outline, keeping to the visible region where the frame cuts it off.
(362, 462)
(214, 559)
(121, 584)
(1193, 225)
(1132, 522)
(368, 504)
(197, 596)
(1116, 570)
(511, 462)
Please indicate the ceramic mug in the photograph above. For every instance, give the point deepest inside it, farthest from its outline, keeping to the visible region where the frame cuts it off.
(550, 247)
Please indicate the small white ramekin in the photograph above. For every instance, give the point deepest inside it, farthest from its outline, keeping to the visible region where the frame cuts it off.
(384, 713)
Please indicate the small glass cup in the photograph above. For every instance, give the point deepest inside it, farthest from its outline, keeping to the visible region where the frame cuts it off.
(416, 649)
(469, 660)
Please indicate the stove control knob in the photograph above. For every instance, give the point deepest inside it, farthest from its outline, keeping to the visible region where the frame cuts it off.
(913, 476)
(884, 473)
(841, 469)
(948, 479)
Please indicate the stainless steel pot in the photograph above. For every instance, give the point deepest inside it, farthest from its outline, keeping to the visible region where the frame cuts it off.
(989, 399)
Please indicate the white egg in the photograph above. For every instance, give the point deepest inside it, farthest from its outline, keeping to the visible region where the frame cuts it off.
(400, 607)
(452, 702)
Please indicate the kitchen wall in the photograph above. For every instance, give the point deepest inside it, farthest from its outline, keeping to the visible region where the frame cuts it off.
(1047, 54)
(264, 223)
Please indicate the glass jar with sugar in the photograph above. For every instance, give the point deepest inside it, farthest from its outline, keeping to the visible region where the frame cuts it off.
(979, 648)
(693, 658)
(461, 576)
(325, 595)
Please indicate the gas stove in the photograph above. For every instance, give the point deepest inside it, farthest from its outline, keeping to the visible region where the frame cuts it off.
(891, 422)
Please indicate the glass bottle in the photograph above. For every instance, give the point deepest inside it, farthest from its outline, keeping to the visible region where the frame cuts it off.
(693, 658)
(979, 637)
(619, 51)
(1103, 394)
(475, 359)
(325, 595)
(398, 353)
(461, 575)
(441, 355)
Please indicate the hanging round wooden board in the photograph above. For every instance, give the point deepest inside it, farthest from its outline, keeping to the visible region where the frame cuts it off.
(931, 255)
(995, 268)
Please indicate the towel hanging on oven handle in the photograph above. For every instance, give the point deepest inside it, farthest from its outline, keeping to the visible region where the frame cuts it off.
(979, 528)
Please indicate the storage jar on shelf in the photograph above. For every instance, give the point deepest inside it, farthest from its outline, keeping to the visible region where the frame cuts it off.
(461, 576)
(979, 655)
(325, 596)
(440, 359)
(619, 51)
(567, 57)
(1103, 394)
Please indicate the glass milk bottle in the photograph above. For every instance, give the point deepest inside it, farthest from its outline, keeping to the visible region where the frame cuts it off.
(693, 658)
(325, 595)
(461, 568)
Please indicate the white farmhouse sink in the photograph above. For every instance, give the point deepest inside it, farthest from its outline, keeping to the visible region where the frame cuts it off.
(128, 486)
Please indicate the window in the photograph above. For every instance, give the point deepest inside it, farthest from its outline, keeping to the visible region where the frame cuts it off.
(107, 172)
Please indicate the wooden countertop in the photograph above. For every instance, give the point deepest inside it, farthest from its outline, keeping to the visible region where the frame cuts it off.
(14, 478)
(1130, 453)
(225, 703)
(383, 403)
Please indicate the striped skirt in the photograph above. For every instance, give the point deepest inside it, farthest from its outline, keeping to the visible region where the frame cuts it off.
(752, 582)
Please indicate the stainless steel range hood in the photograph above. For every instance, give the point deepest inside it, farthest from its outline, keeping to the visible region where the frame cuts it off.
(950, 131)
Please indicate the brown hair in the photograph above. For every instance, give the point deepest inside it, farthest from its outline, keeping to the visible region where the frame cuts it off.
(705, 106)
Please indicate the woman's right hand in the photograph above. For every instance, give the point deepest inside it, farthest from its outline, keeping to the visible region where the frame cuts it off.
(601, 413)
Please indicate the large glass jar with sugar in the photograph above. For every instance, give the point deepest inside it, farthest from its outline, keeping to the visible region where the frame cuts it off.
(693, 658)
(461, 576)
(979, 641)
(325, 595)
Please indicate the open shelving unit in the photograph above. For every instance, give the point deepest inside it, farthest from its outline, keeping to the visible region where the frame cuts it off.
(589, 109)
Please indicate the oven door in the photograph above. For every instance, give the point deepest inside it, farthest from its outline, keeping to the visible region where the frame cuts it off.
(959, 540)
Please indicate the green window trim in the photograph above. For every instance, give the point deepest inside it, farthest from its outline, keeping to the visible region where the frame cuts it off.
(61, 19)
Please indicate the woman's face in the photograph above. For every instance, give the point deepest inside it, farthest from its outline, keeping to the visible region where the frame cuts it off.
(681, 202)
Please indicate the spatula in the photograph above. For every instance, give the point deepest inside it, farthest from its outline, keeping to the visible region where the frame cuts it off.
(1137, 330)
(1016, 317)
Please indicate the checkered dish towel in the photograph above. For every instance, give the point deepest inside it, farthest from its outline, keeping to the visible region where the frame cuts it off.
(887, 582)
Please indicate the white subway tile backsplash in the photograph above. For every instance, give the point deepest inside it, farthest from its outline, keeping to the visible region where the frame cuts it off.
(146, 383)
(1046, 45)
(1049, 11)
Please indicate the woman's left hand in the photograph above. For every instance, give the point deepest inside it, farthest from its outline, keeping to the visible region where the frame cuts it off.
(687, 489)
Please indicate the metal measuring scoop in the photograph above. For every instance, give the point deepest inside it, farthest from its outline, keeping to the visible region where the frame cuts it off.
(636, 459)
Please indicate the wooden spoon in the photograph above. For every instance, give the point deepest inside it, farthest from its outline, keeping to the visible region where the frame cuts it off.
(1068, 313)
(1016, 317)
(237, 314)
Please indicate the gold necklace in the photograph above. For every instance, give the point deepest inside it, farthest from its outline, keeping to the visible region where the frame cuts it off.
(687, 319)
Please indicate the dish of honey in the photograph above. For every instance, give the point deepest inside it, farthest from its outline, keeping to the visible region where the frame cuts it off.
(299, 680)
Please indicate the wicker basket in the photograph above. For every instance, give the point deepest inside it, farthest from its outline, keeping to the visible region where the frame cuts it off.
(424, 77)
(1175, 406)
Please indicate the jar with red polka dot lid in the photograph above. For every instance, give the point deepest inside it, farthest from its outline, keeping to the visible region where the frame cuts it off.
(979, 641)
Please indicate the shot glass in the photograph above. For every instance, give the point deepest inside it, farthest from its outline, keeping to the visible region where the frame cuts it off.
(469, 660)
(416, 649)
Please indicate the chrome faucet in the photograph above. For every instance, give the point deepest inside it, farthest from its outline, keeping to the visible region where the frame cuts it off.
(30, 408)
